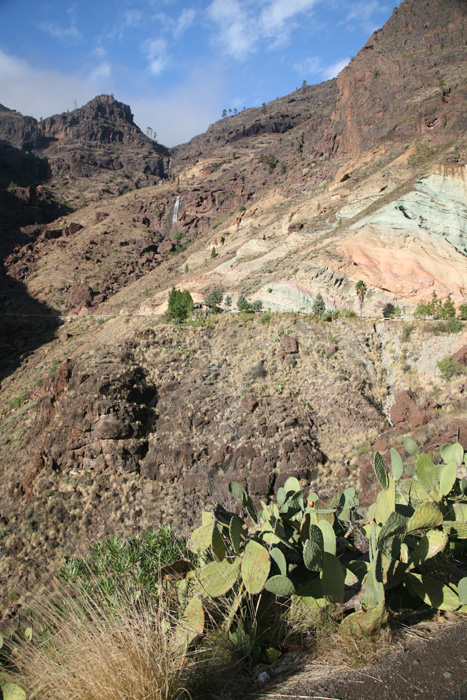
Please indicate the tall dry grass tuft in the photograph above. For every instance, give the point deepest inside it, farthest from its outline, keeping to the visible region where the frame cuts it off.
(83, 649)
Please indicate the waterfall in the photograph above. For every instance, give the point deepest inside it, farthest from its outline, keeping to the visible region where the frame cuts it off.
(175, 214)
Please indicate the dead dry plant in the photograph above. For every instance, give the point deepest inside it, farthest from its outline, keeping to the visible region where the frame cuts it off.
(83, 649)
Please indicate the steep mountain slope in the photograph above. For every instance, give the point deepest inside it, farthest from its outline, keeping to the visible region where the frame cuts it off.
(407, 81)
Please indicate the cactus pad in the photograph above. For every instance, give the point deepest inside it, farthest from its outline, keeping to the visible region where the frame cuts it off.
(380, 471)
(217, 578)
(411, 447)
(364, 622)
(312, 555)
(447, 478)
(427, 515)
(332, 578)
(434, 592)
(256, 564)
(425, 470)
(329, 536)
(236, 533)
(279, 560)
(397, 465)
(280, 586)
(11, 691)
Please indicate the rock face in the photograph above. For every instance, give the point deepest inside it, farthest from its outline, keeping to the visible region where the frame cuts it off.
(93, 422)
(405, 81)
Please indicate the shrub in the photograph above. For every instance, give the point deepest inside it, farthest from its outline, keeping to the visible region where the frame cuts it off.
(462, 313)
(90, 650)
(319, 307)
(453, 325)
(214, 297)
(18, 400)
(265, 318)
(271, 161)
(242, 303)
(407, 331)
(449, 368)
(213, 252)
(257, 305)
(180, 305)
(348, 313)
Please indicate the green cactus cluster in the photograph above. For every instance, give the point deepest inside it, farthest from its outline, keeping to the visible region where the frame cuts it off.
(302, 550)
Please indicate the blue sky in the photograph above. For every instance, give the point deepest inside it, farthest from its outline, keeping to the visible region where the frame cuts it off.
(178, 64)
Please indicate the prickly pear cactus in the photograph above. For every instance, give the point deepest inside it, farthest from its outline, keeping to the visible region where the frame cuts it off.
(256, 564)
(218, 577)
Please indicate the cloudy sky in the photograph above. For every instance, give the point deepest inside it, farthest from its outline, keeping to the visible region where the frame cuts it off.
(177, 63)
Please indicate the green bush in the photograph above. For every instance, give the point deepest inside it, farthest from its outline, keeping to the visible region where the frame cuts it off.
(180, 305)
(133, 563)
(265, 318)
(319, 307)
(18, 400)
(462, 312)
(214, 297)
(449, 368)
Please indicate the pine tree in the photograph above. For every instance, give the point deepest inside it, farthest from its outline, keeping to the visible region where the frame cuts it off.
(180, 305)
(449, 310)
(319, 307)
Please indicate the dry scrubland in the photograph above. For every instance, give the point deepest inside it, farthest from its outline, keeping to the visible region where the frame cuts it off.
(317, 410)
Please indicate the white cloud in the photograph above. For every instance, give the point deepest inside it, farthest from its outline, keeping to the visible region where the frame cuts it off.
(156, 53)
(314, 65)
(59, 32)
(184, 21)
(243, 24)
(362, 14)
(99, 52)
(275, 16)
(103, 70)
(331, 71)
(236, 32)
(41, 93)
(185, 110)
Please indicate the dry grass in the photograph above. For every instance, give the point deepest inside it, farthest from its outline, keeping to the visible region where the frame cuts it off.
(83, 649)
(318, 633)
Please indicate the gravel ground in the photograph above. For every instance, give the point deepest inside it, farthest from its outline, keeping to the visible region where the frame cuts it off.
(429, 662)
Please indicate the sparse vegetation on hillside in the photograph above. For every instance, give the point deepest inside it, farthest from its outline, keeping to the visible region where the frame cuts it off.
(405, 552)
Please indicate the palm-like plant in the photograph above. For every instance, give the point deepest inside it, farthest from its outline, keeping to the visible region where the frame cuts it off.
(361, 290)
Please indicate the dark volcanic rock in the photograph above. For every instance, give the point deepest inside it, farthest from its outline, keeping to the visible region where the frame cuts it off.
(80, 295)
(289, 344)
(383, 91)
(406, 410)
(93, 421)
(461, 356)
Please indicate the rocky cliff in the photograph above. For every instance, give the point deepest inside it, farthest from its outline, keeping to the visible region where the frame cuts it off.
(407, 81)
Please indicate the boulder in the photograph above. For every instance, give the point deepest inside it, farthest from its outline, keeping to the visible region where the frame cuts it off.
(289, 344)
(249, 403)
(461, 356)
(80, 295)
(295, 228)
(405, 410)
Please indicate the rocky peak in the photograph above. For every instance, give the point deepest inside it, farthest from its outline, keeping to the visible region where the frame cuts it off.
(103, 119)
